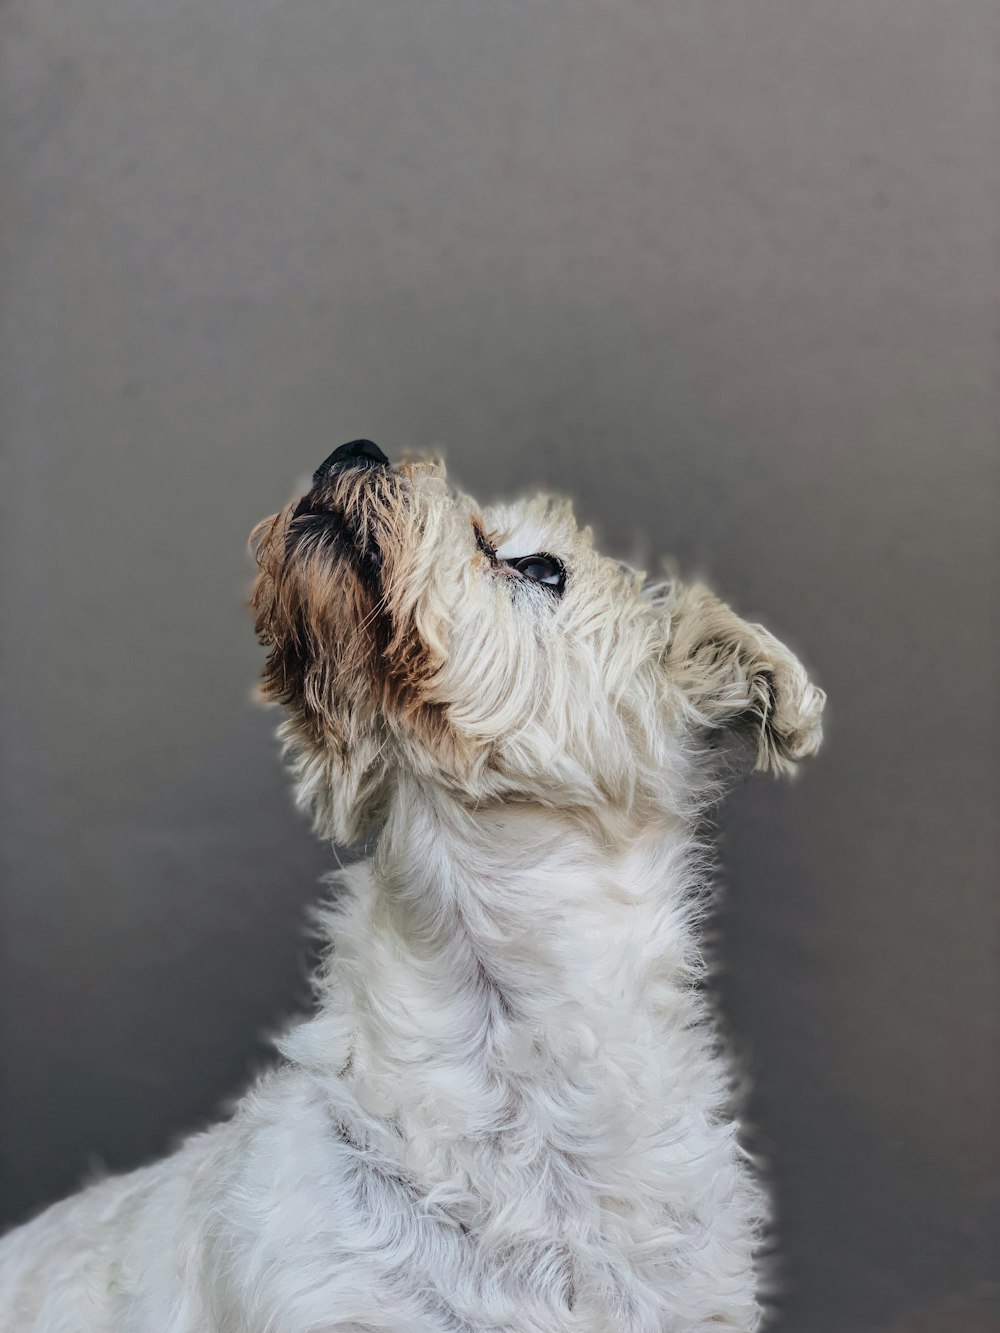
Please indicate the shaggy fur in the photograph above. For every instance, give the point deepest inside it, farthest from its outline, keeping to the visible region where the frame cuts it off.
(509, 1110)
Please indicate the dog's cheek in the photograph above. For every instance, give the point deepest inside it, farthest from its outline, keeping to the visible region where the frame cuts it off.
(417, 634)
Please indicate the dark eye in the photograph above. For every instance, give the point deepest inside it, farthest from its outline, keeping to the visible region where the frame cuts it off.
(541, 569)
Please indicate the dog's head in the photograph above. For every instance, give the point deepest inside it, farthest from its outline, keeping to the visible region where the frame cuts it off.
(494, 652)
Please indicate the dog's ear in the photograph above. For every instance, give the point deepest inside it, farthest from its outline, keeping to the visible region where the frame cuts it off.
(735, 676)
(333, 736)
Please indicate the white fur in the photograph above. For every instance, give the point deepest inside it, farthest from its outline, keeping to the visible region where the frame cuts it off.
(509, 1110)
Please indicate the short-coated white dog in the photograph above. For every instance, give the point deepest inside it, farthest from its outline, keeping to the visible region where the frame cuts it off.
(509, 1111)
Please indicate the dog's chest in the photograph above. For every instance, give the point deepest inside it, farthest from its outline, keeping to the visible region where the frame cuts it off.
(570, 1183)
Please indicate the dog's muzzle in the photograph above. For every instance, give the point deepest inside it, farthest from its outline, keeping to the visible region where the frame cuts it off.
(356, 454)
(322, 518)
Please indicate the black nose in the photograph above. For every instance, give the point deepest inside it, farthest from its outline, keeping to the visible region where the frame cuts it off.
(359, 453)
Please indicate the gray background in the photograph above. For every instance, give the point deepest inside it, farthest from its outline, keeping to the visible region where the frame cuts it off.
(725, 271)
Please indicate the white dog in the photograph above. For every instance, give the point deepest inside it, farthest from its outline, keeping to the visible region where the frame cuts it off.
(510, 1110)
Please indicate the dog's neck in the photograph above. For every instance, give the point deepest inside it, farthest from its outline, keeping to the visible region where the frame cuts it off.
(511, 1023)
(518, 904)
(483, 953)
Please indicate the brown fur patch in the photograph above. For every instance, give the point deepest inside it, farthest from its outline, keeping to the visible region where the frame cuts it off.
(336, 608)
(304, 600)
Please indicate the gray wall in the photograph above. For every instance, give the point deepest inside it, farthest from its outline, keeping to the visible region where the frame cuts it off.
(723, 271)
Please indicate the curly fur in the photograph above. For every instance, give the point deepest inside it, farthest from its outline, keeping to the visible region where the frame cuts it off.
(509, 1110)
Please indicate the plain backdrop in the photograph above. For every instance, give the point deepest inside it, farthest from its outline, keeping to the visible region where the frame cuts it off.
(727, 273)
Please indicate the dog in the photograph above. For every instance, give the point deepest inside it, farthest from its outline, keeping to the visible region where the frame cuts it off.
(509, 1111)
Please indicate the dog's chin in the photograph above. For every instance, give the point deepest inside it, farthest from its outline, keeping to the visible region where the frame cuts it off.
(345, 537)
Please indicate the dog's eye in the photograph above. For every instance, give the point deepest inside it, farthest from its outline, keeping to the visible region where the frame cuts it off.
(541, 568)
